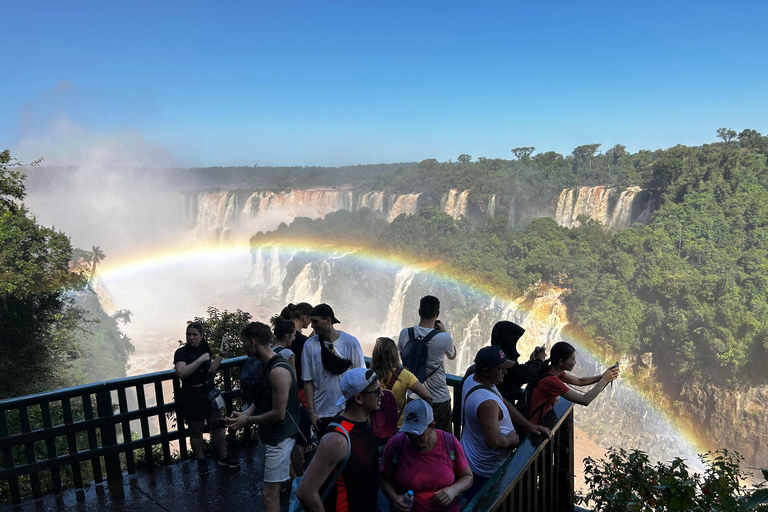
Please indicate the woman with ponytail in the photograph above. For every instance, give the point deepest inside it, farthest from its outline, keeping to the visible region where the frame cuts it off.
(553, 380)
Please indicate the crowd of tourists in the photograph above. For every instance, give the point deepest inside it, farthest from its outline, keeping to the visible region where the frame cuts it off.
(378, 438)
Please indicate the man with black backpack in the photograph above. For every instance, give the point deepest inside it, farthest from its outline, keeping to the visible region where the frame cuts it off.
(423, 348)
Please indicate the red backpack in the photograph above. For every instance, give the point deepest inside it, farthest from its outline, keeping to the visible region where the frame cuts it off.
(384, 421)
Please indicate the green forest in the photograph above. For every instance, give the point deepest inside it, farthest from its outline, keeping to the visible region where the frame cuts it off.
(53, 331)
(691, 287)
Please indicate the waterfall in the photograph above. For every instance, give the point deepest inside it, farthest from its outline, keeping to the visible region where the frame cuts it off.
(394, 321)
(593, 202)
(467, 349)
(308, 285)
(407, 204)
(492, 206)
(454, 203)
(257, 272)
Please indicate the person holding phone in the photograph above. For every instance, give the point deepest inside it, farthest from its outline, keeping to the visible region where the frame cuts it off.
(554, 379)
(195, 366)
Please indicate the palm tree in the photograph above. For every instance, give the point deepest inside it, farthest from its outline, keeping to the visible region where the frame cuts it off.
(97, 255)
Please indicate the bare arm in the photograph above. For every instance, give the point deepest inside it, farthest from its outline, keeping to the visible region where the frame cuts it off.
(309, 393)
(421, 391)
(446, 495)
(586, 398)
(332, 450)
(184, 370)
(609, 375)
(388, 488)
(280, 379)
(488, 416)
(292, 362)
(240, 419)
(519, 419)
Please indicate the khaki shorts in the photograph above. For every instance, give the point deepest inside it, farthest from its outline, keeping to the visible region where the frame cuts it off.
(277, 461)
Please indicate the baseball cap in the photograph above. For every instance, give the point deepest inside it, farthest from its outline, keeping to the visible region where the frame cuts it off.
(418, 415)
(353, 382)
(493, 357)
(324, 311)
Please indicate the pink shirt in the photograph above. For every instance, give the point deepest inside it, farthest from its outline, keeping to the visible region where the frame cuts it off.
(425, 472)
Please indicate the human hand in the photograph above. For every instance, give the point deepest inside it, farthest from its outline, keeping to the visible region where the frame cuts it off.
(611, 374)
(539, 353)
(400, 504)
(540, 430)
(237, 420)
(315, 419)
(444, 496)
(513, 439)
(440, 326)
(205, 357)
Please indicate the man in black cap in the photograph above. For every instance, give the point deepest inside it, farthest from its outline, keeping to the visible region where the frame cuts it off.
(327, 355)
(488, 432)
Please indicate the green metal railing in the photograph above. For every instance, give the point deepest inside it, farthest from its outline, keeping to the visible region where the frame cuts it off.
(85, 432)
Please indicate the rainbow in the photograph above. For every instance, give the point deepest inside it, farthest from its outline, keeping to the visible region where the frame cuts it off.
(174, 255)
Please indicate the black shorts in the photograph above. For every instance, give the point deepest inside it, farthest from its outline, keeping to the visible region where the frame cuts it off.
(194, 404)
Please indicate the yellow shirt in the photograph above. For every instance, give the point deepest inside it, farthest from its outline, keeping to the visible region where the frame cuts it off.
(400, 390)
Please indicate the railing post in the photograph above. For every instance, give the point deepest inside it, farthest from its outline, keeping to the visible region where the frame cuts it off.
(564, 465)
(108, 434)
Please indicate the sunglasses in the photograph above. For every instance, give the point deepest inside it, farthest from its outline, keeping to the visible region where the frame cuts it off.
(376, 391)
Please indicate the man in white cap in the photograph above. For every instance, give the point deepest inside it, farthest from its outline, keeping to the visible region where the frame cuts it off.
(356, 487)
(427, 461)
(488, 434)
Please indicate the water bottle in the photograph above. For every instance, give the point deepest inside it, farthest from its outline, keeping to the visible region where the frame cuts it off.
(408, 499)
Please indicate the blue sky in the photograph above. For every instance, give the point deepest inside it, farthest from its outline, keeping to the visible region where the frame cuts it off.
(337, 83)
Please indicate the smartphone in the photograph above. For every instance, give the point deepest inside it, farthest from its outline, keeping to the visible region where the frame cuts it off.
(437, 324)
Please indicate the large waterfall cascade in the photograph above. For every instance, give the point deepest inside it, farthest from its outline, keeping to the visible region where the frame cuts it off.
(372, 301)
(223, 215)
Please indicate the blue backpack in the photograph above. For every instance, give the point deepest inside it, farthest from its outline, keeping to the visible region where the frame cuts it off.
(415, 354)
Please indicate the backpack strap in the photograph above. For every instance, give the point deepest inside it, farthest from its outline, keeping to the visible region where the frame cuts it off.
(464, 402)
(450, 444)
(426, 339)
(411, 335)
(340, 429)
(397, 447)
(395, 375)
(398, 440)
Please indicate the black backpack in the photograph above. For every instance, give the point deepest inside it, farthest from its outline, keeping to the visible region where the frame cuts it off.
(415, 354)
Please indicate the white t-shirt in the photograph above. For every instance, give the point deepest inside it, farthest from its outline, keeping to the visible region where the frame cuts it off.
(483, 461)
(438, 347)
(327, 386)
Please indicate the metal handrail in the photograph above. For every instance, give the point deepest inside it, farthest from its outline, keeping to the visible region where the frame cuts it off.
(537, 476)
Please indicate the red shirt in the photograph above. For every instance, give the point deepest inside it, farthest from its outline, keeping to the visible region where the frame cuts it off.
(546, 392)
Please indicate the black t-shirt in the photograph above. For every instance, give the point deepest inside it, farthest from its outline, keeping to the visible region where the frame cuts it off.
(357, 488)
(297, 347)
(188, 354)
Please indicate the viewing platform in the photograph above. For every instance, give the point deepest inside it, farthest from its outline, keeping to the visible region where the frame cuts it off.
(67, 450)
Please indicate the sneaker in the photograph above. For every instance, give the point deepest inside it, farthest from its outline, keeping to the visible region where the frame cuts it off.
(202, 467)
(229, 462)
